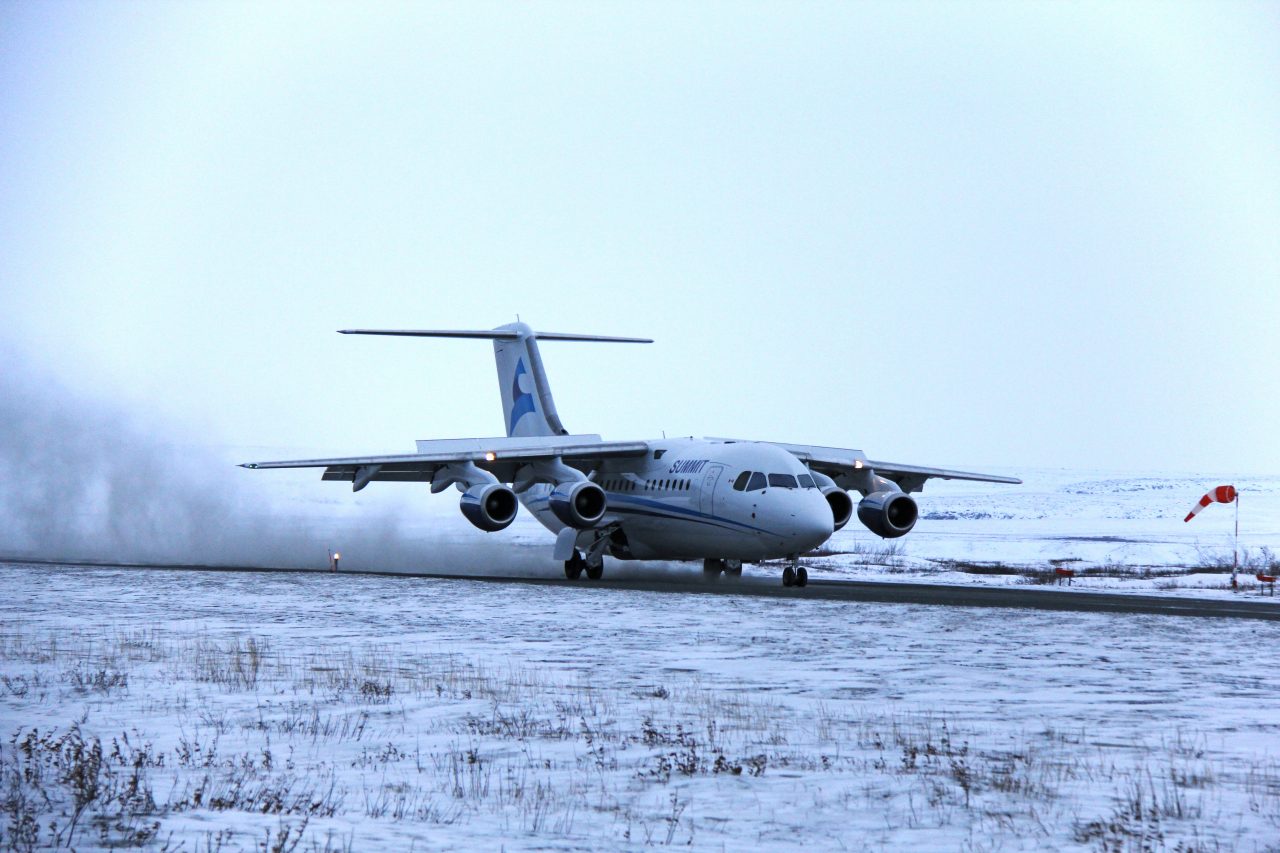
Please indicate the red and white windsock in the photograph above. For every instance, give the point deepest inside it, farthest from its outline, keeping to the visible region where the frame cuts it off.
(1221, 495)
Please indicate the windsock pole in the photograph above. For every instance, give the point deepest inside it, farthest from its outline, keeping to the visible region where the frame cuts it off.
(1235, 544)
(1235, 548)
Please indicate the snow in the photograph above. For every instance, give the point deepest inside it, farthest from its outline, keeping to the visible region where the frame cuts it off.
(358, 712)
(580, 718)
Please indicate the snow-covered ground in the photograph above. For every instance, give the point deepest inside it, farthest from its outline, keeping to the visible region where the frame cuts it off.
(352, 712)
(239, 711)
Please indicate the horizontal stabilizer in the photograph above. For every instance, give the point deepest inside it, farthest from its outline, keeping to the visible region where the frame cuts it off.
(493, 335)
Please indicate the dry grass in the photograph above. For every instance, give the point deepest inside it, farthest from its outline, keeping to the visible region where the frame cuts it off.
(234, 729)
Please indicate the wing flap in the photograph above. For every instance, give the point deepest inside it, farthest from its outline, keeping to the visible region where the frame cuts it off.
(892, 469)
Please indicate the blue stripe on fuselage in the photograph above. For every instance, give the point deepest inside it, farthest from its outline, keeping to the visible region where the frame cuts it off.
(616, 499)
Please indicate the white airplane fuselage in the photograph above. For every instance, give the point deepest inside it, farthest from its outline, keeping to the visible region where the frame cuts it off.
(678, 502)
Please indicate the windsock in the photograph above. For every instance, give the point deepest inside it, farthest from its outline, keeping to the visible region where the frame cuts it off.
(1222, 495)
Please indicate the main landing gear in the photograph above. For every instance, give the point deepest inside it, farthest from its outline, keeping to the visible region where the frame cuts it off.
(794, 574)
(712, 569)
(577, 564)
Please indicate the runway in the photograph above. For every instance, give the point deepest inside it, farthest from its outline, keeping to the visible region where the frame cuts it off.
(1022, 597)
(917, 593)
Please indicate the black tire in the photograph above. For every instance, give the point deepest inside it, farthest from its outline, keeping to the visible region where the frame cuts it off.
(711, 569)
(573, 566)
(788, 576)
(595, 572)
(733, 568)
(802, 577)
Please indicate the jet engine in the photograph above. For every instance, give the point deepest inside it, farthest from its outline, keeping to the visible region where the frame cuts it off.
(841, 505)
(581, 504)
(837, 498)
(491, 506)
(888, 513)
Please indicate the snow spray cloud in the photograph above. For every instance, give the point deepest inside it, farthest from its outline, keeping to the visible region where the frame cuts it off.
(85, 480)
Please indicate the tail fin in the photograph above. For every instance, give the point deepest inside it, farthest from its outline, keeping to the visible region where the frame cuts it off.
(528, 408)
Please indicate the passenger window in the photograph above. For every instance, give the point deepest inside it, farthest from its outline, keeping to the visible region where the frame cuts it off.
(756, 482)
(741, 483)
(806, 481)
(782, 481)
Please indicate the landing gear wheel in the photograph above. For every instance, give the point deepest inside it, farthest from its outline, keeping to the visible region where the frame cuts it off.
(788, 576)
(733, 568)
(711, 569)
(595, 570)
(573, 567)
(802, 577)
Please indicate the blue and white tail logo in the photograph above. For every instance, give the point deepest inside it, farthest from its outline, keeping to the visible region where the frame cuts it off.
(521, 396)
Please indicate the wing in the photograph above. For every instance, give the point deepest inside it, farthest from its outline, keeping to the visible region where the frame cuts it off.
(500, 456)
(851, 468)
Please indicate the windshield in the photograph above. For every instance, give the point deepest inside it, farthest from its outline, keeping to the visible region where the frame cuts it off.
(806, 481)
(785, 481)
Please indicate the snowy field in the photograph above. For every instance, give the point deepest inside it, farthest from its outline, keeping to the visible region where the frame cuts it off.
(213, 710)
(205, 711)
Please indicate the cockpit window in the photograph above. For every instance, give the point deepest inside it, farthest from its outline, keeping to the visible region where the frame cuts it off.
(741, 483)
(756, 481)
(806, 482)
(783, 481)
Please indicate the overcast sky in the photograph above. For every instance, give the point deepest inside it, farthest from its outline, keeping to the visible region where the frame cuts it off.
(947, 234)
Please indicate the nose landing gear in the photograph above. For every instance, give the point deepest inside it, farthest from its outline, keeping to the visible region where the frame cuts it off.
(795, 574)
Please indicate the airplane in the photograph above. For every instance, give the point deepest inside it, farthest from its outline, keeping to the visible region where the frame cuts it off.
(719, 500)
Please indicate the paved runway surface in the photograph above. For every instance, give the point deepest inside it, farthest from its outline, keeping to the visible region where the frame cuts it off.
(1239, 607)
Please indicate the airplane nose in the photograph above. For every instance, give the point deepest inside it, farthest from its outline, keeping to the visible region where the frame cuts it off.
(813, 526)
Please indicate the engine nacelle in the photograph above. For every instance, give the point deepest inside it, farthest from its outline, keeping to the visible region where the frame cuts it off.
(491, 506)
(581, 504)
(841, 506)
(837, 498)
(888, 513)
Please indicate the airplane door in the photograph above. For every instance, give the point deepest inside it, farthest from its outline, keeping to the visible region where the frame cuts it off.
(707, 493)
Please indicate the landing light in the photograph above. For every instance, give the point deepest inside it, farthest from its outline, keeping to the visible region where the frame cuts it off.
(337, 556)
(857, 463)
(490, 456)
